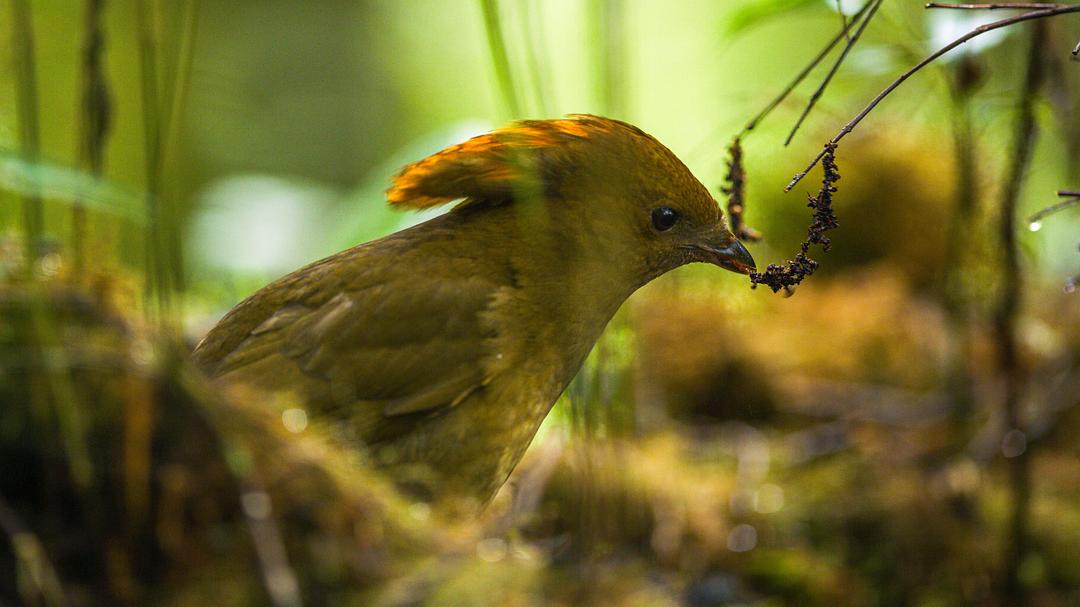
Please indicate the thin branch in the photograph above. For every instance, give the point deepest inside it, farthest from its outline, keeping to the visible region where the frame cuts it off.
(793, 272)
(735, 189)
(1072, 198)
(843, 19)
(806, 70)
(982, 29)
(1031, 6)
(832, 71)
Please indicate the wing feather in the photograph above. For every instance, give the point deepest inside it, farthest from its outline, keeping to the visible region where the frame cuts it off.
(378, 351)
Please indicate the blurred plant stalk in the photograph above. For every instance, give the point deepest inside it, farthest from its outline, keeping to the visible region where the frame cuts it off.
(96, 109)
(26, 102)
(1006, 310)
(164, 80)
(956, 292)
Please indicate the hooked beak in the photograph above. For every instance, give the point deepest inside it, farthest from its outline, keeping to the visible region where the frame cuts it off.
(730, 256)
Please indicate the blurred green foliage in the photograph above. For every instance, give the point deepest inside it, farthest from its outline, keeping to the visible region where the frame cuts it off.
(722, 446)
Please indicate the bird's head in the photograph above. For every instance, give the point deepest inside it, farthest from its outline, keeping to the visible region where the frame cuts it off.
(598, 182)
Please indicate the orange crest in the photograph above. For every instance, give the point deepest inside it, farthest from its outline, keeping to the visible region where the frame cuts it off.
(495, 165)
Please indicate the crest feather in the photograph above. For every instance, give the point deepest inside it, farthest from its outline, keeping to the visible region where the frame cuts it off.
(519, 158)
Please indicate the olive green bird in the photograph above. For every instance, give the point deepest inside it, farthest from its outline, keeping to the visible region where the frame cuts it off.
(442, 347)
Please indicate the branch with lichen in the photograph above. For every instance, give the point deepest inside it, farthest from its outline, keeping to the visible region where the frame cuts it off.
(735, 189)
(793, 272)
(1051, 10)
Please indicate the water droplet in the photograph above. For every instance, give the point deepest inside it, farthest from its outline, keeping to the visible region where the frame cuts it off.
(1035, 226)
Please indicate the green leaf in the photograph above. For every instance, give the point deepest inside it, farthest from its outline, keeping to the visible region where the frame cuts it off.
(755, 13)
(53, 181)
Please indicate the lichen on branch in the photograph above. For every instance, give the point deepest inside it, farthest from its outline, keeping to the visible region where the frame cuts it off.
(793, 272)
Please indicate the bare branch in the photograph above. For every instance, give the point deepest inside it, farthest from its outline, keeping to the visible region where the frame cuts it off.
(1035, 6)
(1072, 198)
(832, 71)
(843, 19)
(806, 70)
(982, 29)
(793, 272)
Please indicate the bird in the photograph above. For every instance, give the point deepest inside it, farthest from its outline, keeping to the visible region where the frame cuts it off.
(438, 350)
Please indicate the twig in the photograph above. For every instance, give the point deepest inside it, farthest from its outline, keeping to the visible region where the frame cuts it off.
(843, 19)
(997, 5)
(1072, 198)
(785, 277)
(806, 70)
(735, 188)
(832, 71)
(982, 29)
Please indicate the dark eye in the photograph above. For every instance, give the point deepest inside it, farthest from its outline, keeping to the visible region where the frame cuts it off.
(664, 218)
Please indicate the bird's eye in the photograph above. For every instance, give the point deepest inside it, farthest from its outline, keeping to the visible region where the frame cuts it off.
(664, 218)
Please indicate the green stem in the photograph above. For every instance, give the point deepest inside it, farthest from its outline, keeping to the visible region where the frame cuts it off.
(499, 57)
(172, 107)
(26, 102)
(157, 282)
(609, 53)
(94, 126)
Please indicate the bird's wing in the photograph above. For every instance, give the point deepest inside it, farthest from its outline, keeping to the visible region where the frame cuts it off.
(396, 347)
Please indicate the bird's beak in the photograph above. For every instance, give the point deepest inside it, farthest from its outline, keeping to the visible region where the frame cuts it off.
(730, 254)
